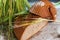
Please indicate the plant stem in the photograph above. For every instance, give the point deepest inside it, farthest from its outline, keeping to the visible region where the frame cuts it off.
(27, 3)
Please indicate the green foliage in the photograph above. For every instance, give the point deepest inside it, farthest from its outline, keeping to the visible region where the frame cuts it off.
(9, 9)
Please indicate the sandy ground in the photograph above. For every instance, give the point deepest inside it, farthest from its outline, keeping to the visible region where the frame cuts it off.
(2, 37)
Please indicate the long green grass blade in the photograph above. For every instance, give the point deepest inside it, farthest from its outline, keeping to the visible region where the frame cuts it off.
(27, 3)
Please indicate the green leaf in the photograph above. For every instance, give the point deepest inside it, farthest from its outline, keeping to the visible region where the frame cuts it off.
(27, 3)
(21, 13)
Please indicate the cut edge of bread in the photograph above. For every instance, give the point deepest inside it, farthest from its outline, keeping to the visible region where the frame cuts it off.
(33, 29)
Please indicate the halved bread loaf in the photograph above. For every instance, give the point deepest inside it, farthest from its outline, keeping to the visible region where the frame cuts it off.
(24, 28)
(25, 31)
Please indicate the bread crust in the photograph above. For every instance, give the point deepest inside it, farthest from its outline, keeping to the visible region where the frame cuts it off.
(44, 9)
(20, 30)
